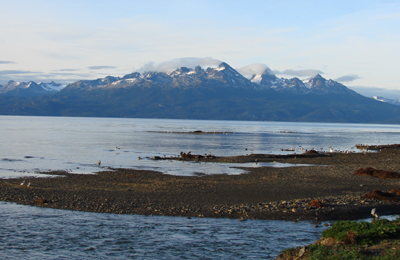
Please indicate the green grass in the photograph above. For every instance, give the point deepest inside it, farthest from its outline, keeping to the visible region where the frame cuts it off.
(365, 232)
(317, 252)
(324, 252)
(379, 240)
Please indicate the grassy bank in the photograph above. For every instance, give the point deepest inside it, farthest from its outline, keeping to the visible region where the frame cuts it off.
(379, 239)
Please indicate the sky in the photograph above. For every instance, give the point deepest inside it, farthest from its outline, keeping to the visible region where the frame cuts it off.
(353, 42)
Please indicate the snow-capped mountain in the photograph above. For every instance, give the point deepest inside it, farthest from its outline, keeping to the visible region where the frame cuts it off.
(221, 76)
(219, 93)
(388, 100)
(30, 89)
(315, 85)
(228, 75)
(181, 77)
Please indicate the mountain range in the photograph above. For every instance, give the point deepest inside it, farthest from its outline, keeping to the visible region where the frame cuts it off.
(30, 89)
(219, 93)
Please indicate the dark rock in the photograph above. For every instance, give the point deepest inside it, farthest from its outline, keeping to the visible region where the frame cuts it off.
(316, 204)
(377, 173)
(311, 152)
(395, 192)
(41, 201)
(380, 195)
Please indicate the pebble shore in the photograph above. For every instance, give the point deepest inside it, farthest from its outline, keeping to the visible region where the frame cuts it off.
(263, 193)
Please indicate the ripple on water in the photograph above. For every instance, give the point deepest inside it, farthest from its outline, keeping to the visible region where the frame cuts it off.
(49, 233)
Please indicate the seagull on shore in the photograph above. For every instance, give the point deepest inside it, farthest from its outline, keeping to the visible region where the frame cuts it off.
(22, 183)
(29, 184)
(374, 214)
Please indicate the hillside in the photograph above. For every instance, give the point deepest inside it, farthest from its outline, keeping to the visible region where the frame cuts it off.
(215, 93)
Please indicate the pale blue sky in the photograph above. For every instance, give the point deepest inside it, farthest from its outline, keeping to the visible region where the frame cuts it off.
(354, 41)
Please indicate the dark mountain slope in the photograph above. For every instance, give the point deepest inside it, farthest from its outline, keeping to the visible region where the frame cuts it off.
(220, 93)
(209, 103)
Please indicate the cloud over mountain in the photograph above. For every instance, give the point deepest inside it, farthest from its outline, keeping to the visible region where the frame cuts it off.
(347, 78)
(299, 73)
(171, 65)
(256, 68)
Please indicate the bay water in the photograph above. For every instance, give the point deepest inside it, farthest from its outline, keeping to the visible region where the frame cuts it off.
(32, 144)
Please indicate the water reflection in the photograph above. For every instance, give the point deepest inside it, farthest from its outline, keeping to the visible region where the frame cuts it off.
(77, 144)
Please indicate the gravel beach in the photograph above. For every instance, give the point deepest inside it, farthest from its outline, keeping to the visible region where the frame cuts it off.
(262, 193)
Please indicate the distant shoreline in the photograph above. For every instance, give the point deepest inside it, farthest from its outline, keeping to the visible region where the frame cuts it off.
(263, 193)
(199, 132)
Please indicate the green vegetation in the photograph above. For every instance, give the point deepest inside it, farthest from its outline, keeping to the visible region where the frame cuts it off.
(317, 252)
(365, 232)
(378, 240)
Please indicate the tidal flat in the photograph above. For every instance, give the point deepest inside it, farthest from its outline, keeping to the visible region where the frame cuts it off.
(327, 190)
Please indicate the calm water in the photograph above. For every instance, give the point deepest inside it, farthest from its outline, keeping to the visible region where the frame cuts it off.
(31, 144)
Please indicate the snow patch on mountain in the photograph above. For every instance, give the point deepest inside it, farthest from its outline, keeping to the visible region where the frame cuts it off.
(306, 83)
(256, 78)
(52, 86)
(387, 100)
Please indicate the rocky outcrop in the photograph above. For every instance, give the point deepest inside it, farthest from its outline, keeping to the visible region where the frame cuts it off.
(377, 173)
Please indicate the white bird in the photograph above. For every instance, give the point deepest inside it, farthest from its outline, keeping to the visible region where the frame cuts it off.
(22, 183)
(374, 214)
(29, 184)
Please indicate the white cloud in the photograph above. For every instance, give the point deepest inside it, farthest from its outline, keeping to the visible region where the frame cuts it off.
(65, 76)
(101, 67)
(255, 68)
(15, 72)
(6, 62)
(373, 91)
(68, 70)
(347, 78)
(149, 66)
(189, 62)
(299, 73)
